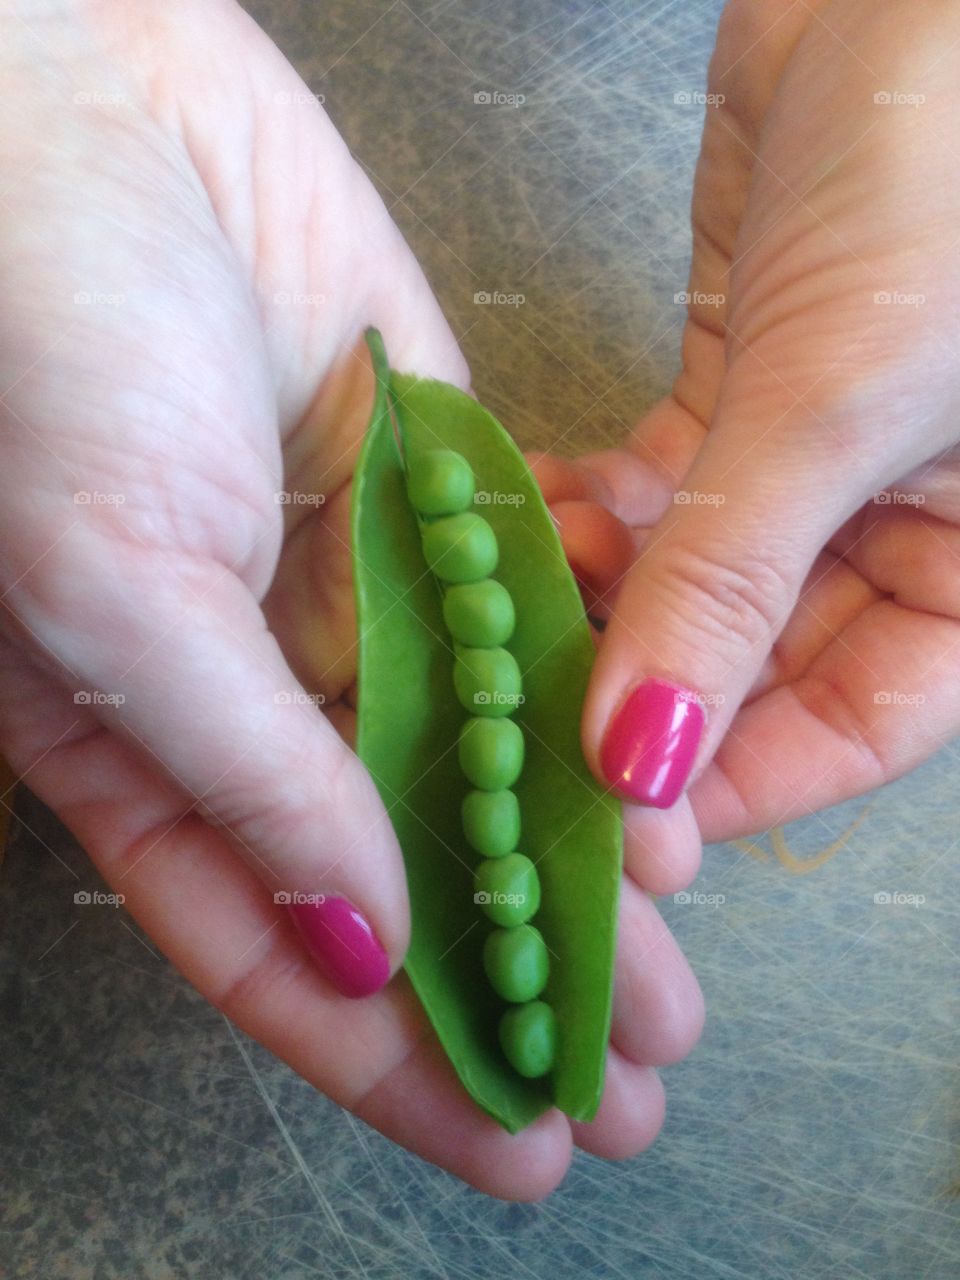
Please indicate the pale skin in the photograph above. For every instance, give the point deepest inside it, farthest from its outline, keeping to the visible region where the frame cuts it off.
(208, 188)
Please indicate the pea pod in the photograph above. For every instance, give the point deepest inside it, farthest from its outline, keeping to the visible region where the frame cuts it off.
(412, 737)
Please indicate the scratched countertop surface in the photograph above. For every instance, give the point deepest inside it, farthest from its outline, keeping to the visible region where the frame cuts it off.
(814, 1132)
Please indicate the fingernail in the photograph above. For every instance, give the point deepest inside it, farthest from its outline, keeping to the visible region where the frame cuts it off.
(342, 944)
(651, 743)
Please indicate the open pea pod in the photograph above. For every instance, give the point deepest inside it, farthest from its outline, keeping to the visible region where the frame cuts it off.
(408, 724)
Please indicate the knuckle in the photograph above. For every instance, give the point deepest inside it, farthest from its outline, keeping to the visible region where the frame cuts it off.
(262, 984)
(727, 601)
(272, 804)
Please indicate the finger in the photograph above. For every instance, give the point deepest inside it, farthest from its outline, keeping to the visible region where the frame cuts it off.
(560, 479)
(872, 706)
(599, 547)
(862, 688)
(661, 850)
(636, 483)
(833, 595)
(657, 1003)
(630, 1114)
(189, 674)
(207, 911)
(698, 613)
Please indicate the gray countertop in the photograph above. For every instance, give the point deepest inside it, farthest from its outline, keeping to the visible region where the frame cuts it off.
(813, 1133)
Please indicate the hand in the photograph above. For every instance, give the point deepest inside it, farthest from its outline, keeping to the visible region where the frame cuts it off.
(189, 257)
(794, 500)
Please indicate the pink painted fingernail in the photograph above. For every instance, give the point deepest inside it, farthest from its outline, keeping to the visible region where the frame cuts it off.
(651, 743)
(342, 943)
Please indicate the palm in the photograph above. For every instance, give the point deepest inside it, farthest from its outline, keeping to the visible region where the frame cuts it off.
(232, 370)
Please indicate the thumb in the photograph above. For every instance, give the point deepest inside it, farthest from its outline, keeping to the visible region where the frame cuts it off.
(718, 577)
(177, 659)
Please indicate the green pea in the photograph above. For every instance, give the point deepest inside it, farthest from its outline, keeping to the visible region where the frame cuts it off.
(480, 614)
(516, 962)
(491, 752)
(440, 483)
(491, 821)
(528, 1037)
(460, 548)
(508, 889)
(487, 681)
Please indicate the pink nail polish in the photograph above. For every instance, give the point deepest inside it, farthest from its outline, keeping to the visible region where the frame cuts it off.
(651, 743)
(342, 944)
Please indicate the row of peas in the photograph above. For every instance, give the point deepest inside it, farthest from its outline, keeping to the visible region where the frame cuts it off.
(461, 550)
